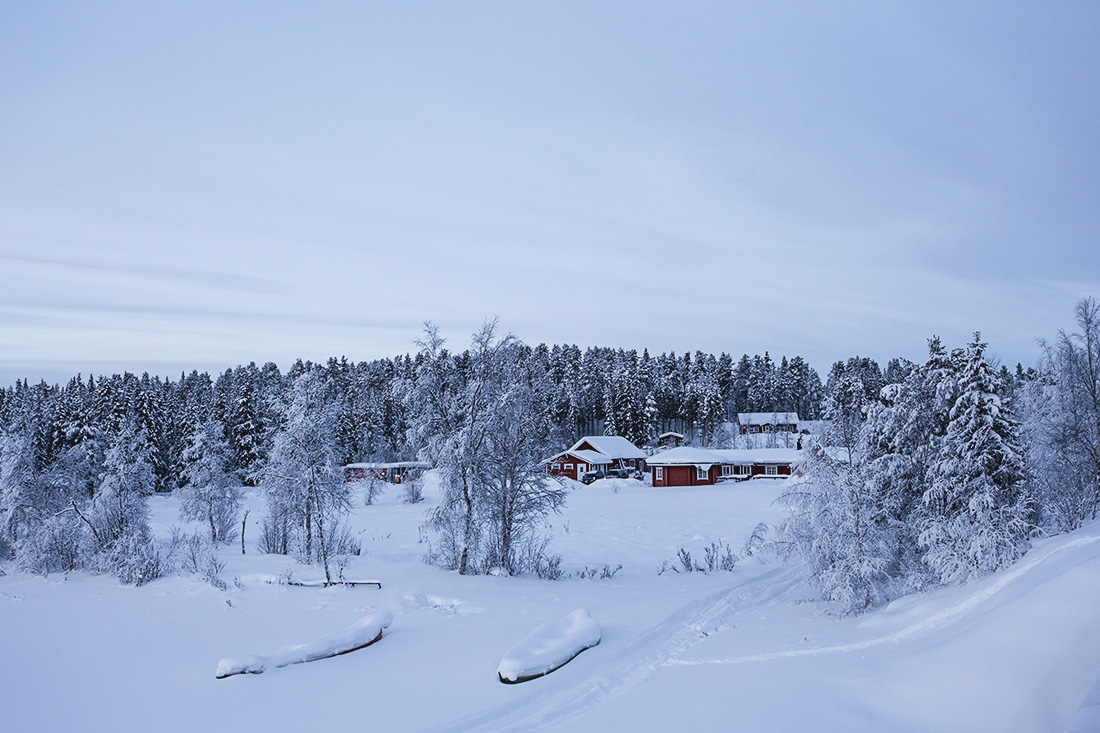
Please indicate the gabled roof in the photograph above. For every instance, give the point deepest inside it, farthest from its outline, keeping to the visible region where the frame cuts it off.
(767, 418)
(612, 446)
(670, 435)
(590, 456)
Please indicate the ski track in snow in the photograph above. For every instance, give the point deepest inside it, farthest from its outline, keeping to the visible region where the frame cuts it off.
(639, 658)
(659, 646)
(923, 627)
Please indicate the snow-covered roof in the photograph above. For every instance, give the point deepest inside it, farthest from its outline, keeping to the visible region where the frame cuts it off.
(760, 455)
(767, 418)
(685, 456)
(589, 456)
(670, 435)
(703, 456)
(612, 446)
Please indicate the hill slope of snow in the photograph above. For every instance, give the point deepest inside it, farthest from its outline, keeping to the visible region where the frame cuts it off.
(1015, 651)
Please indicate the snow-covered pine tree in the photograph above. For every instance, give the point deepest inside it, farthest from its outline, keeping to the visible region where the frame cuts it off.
(902, 436)
(610, 421)
(247, 432)
(977, 504)
(151, 421)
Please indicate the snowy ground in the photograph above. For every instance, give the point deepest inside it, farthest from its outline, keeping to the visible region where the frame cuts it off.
(725, 651)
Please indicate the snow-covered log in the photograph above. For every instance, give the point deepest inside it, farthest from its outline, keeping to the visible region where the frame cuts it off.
(549, 646)
(363, 633)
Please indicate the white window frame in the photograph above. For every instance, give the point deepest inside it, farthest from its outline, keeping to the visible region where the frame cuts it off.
(702, 474)
(568, 466)
(658, 473)
(727, 469)
(742, 470)
(771, 470)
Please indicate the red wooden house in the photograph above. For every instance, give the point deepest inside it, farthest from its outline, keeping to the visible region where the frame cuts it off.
(596, 452)
(701, 467)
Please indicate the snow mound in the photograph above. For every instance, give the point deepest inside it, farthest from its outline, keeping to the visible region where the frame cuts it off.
(362, 633)
(549, 647)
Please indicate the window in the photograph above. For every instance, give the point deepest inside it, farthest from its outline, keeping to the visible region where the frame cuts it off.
(702, 473)
(727, 470)
(771, 471)
(741, 470)
(568, 466)
(658, 473)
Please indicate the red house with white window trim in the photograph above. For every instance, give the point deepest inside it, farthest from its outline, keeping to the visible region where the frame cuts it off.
(596, 452)
(703, 467)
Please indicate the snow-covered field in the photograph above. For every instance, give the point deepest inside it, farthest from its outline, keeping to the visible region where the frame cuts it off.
(737, 650)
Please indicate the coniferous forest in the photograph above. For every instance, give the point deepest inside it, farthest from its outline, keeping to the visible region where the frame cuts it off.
(925, 473)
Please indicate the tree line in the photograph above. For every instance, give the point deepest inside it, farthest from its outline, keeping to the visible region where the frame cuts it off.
(926, 473)
(77, 461)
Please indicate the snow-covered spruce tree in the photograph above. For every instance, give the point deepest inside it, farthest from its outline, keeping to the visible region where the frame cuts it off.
(248, 431)
(977, 505)
(902, 437)
(610, 420)
(306, 492)
(845, 406)
(211, 495)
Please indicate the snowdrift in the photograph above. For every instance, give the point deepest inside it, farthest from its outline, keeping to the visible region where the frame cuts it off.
(549, 646)
(362, 633)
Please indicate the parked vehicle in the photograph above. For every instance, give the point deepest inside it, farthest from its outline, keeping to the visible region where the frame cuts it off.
(618, 473)
(592, 476)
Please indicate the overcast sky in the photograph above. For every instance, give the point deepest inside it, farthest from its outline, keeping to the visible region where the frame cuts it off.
(189, 185)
